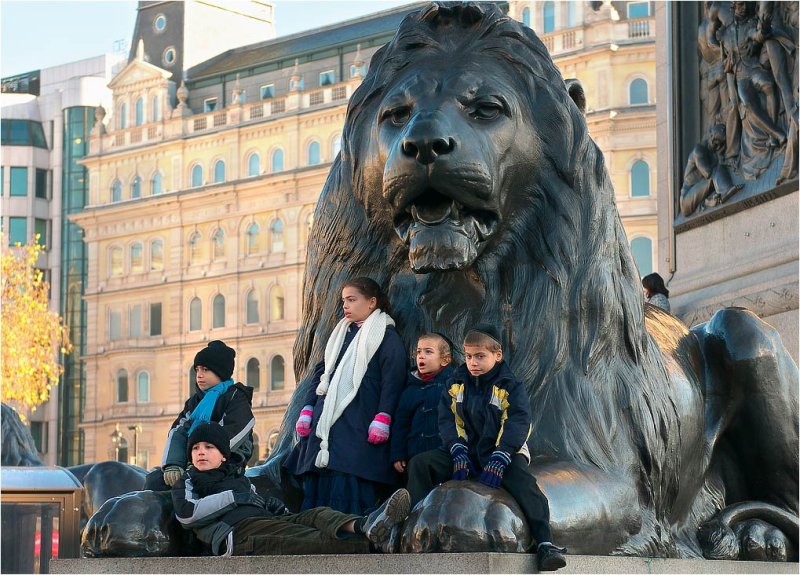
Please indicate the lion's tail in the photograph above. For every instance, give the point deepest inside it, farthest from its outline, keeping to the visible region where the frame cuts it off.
(718, 539)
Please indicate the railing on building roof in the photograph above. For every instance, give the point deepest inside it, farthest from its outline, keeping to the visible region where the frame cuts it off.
(598, 34)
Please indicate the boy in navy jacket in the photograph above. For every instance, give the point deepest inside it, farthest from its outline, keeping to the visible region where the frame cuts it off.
(416, 420)
(485, 422)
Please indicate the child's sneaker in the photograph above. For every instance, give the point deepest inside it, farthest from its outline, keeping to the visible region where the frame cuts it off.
(380, 522)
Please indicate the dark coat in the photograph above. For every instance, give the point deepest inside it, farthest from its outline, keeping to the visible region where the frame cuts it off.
(415, 427)
(233, 411)
(486, 413)
(349, 451)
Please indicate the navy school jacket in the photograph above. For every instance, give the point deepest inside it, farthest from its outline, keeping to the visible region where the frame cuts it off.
(486, 413)
(349, 451)
(415, 427)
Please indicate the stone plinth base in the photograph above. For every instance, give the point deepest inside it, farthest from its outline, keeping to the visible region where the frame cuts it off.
(423, 563)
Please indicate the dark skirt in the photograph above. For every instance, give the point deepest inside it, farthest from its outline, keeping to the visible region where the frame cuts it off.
(340, 491)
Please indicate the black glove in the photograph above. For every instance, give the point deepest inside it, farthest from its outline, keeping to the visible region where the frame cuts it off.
(248, 498)
(276, 506)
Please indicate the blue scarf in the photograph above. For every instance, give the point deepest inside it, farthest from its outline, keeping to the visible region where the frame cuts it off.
(203, 410)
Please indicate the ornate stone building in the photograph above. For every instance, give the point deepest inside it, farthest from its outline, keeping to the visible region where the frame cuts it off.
(201, 195)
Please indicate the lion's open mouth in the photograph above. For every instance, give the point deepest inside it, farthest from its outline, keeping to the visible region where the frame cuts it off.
(441, 233)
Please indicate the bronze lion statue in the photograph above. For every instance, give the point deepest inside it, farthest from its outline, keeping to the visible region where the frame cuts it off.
(468, 186)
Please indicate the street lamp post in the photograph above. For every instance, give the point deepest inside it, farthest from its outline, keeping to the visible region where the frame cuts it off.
(137, 429)
(116, 436)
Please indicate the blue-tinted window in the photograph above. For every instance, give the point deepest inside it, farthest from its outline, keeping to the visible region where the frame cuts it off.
(155, 184)
(219, 172)
(253, 165)
(41, 183)
(640, 179)
(572, 13)
(526, 17)
(197, 176)
(209, 104)
(277, 160)
(313, 153)
(337, 146)
(160, 23)
(143, 387)
(267, 91)
(327, 78)
(358, 70)
(22, 133)
(638, 9)
(642, 251)
(548, 17)
(218, 311)
(17, 230)
(637, 93)
(139, 111)
(136, 187)
(19, 181)
(123, 116)
(116, 191)
(18, 134)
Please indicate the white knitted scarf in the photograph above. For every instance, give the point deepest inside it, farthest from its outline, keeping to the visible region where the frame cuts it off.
(343, 387)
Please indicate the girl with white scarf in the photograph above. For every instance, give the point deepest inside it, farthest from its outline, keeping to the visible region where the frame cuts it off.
(343, 453)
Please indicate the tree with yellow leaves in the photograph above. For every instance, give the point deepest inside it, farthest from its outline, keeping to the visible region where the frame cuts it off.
(32, 337)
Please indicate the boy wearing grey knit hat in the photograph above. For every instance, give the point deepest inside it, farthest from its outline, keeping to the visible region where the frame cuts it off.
(217, 399)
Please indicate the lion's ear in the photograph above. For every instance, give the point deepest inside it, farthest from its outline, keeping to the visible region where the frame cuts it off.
(575, 89)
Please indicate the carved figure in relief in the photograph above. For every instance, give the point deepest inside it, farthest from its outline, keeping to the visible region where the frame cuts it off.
(706, 179)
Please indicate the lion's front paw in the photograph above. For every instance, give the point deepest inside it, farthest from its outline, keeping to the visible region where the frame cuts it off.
(749, 540)
(465, 516)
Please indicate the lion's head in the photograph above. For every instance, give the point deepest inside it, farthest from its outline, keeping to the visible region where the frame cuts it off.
(469, 187)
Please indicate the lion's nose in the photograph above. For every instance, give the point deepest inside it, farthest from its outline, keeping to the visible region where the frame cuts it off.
(426, 150)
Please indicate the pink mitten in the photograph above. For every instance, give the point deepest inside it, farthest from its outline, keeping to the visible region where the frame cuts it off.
(303, 426)
(379, 429)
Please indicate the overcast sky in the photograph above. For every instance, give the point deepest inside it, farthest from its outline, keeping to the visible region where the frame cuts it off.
(39, 34)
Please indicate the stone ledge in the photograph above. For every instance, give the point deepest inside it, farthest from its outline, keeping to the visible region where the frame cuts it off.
(408, 563)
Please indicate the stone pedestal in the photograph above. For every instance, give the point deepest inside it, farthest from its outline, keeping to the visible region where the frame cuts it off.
(423, 563)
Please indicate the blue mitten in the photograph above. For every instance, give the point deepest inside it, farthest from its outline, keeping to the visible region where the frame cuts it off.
(462, 466)
(492, 474)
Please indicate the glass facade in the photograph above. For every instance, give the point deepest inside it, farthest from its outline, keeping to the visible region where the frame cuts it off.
(78, 122)
(22, 133)
(19, 181)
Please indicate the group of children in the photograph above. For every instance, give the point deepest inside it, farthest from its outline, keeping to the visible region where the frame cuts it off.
(366, 426)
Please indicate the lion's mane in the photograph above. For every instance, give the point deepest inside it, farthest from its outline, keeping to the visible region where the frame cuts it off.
(559, 273)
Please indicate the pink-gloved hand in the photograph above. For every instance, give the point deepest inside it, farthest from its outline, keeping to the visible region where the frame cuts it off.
(379, 429)
(303, 425)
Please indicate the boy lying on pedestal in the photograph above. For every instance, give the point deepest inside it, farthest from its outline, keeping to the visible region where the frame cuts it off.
(229, 517)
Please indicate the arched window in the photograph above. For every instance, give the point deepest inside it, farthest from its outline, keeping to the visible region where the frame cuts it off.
(123, 116)
(253, 165)
(276, 375)
(637, 92)
(156, 255)
(276, 305)
(548, 17)
(252, 238)
(642, 251)
(115, 261)
(252, 307)
(155, 114)
(253, 373)
(139, 119)
(195, 314)
(197, 176)
(526, 17)
(218, 311)
(143, 387)
(218, 244)
(640, 179)
(155, 184)
(314, 153)
(336, 146)
(194, 247)
(136, 187)
(276, 236)
(219, 172)
(122, 386)
(116, 191)
(137, 259)
(277, 160)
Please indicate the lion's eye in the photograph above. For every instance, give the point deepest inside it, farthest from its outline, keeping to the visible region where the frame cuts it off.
(400, 116)
(486, 111)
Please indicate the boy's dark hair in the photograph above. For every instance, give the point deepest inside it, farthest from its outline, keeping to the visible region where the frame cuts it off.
(654, 283)
(444, 344)
(484, 335)
(369, 288)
